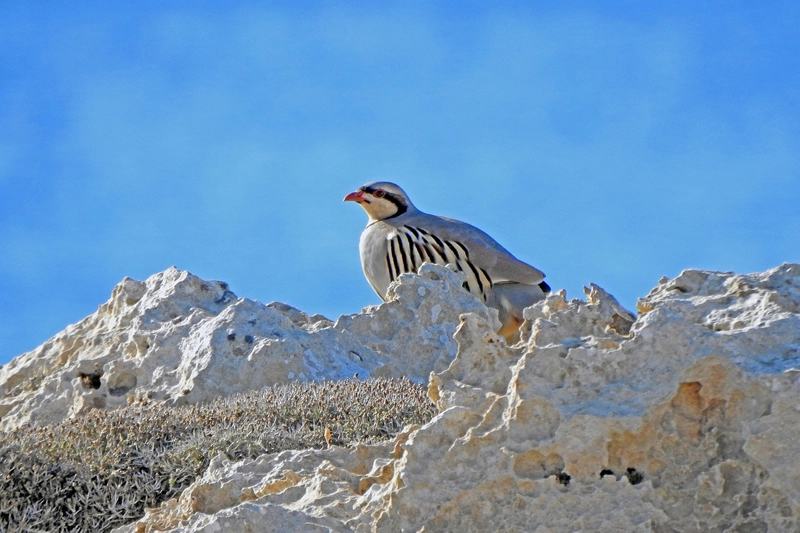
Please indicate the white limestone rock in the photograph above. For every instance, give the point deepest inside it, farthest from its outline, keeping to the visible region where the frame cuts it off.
(684, 420)
(177, 338)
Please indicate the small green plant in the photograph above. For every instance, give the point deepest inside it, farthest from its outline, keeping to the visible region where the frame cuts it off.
(101, 470)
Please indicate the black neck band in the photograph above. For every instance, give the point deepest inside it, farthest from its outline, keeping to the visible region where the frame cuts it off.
(401, 207)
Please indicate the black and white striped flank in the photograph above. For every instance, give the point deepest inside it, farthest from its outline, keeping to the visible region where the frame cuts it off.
(409, 247)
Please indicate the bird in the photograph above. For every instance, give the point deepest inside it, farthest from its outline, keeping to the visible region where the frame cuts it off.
(399, 238)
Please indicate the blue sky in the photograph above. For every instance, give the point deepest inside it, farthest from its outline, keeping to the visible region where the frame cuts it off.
(605, 142)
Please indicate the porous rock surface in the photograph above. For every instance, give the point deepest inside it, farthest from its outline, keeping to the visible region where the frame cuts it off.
(685, 418)
(178, 338)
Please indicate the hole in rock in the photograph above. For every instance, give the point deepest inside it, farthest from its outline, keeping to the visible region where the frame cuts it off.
(634, 476)
(91, 380)
(121, 383)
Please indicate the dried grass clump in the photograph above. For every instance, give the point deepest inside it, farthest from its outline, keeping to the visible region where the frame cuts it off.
(101, 470)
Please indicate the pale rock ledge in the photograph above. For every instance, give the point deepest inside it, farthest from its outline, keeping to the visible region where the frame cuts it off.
(684, 419)
(178, 338)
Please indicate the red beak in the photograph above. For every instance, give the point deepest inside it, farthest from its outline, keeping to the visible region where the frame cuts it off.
(357, 196)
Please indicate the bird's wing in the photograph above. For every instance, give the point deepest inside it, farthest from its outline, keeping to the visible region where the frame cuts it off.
(483, 250)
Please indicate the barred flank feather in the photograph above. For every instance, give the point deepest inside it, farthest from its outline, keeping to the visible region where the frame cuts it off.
(409, 247)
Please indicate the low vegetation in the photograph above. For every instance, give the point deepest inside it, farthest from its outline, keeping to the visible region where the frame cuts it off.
(101, 470)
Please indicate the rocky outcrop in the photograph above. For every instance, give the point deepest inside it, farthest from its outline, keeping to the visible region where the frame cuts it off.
(684, 418)
(178, 338)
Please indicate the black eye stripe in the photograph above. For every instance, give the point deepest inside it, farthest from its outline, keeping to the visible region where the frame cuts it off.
(396, 200)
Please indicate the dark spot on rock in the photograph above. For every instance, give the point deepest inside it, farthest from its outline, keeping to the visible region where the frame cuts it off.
(232, 336)
(90, 381)
(226, 297)
(621, 324)
(634, 476)
(252, 321)
(680, 289)
(186, 391)
(224, 286)
(121, 383)
(357, 355)
(562, 478)
(248, 339)
(606, 472)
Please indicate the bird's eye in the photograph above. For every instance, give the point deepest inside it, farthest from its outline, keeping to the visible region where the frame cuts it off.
(379, 193)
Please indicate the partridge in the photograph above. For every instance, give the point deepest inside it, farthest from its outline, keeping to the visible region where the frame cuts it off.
(399, 238)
